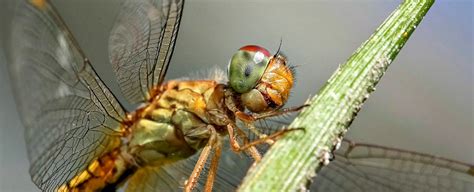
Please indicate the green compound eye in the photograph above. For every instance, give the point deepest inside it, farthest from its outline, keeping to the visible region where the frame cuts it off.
(247, 67)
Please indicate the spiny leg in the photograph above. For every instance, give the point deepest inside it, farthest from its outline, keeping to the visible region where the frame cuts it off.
(242, 134)
(270, 137)
(278, 112)
(191, 182)
(249, 120)
(214, 165)
(234, 144)
(260, 135)
(252, 151)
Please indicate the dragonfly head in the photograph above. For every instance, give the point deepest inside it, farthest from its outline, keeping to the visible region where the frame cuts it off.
(262, 80)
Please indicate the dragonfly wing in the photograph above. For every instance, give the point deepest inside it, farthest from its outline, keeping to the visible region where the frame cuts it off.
(70, 116)
(171, 177)
(155, 179)
(141, 44)
(365, 167)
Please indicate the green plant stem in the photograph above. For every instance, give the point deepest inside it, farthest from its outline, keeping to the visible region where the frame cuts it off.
(292, 161)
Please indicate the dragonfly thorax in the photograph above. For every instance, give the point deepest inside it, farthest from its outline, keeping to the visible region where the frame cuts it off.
(175, 123)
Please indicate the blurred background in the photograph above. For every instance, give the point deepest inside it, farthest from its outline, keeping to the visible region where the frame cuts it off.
(423, 103)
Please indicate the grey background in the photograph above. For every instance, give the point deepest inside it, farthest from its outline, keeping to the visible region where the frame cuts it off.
(423, 103)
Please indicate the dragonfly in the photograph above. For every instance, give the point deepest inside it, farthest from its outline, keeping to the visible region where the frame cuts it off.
(80, 137)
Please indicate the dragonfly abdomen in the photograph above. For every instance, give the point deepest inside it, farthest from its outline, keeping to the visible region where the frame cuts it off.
(105, 171)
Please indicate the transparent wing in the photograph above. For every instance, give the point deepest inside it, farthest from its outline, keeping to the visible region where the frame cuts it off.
(141, 44)
(172, 177)
(70, 116)
(365, 167)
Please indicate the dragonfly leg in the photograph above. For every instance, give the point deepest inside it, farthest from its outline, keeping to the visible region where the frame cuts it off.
(234, 144)
(214, 165)
(271, 137)
(253, 152)
(250, 118)
(258, 116)
(260, 135)
(193, 178)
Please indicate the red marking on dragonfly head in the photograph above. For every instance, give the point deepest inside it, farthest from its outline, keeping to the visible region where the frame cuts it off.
(256, 48)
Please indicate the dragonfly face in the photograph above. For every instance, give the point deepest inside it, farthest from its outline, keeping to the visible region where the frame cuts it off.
(78, 134)
(264, 81)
